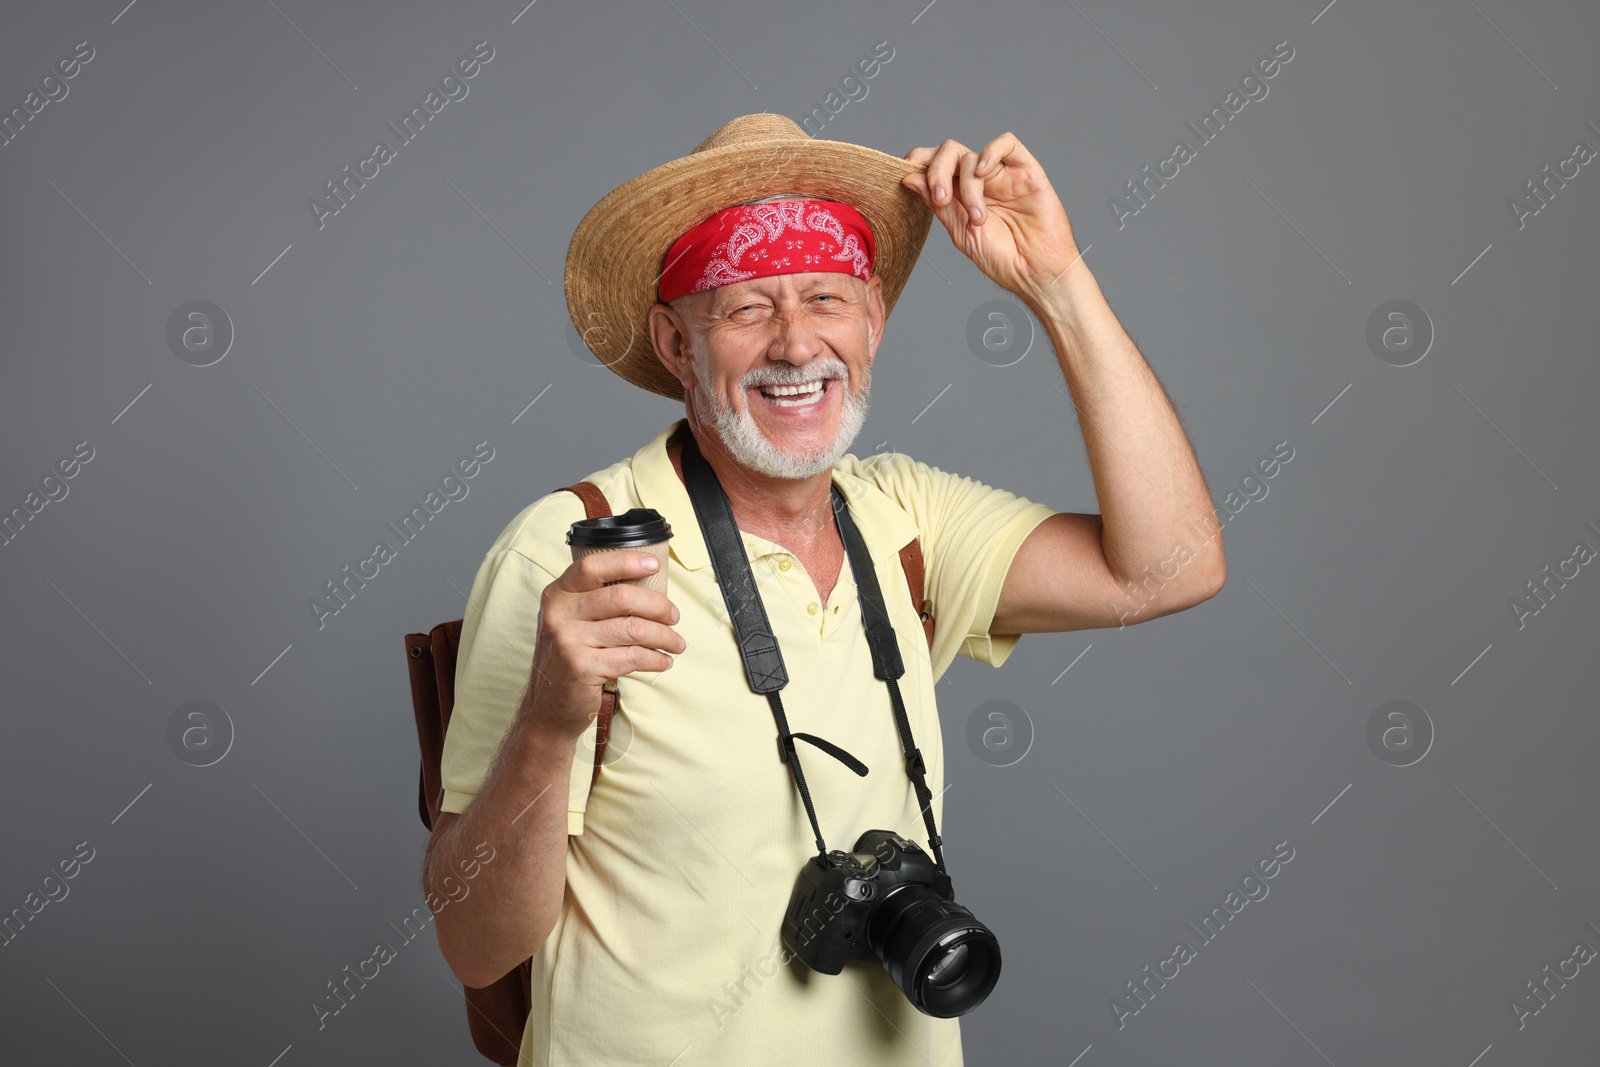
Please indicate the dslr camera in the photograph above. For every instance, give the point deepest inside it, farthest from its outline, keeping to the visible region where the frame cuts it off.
(886, 899)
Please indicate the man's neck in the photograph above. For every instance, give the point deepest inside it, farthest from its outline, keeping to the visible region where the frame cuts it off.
(797, 513)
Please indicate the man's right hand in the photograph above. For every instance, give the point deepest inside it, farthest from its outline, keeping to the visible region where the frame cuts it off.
(591, 633)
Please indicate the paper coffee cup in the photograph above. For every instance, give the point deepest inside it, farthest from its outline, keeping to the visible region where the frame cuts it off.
(637, 530)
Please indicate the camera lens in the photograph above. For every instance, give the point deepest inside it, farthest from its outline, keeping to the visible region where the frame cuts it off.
(944, 960)
(949, 970)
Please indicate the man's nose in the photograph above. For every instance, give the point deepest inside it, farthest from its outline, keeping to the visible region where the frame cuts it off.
(795, 338)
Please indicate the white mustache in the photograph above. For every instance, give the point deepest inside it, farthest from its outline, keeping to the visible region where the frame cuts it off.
(800, 381)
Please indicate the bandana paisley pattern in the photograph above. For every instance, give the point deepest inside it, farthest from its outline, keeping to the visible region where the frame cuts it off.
(761, 240)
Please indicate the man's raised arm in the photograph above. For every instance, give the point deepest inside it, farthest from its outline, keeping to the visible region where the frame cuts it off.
(1078, 570)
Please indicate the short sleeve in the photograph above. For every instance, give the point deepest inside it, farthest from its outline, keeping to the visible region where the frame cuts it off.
(493, 663)
(970, 534)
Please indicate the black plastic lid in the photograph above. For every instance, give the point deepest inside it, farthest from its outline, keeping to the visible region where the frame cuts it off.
(636, 526)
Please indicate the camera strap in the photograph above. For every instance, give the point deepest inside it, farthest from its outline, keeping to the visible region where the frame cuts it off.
(763, 661)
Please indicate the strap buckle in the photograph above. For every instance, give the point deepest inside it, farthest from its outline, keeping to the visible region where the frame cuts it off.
(914, 764)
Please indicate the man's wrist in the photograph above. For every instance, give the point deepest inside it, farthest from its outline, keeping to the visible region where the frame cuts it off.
(535, 734)
(1064, 296)
(1067, 306)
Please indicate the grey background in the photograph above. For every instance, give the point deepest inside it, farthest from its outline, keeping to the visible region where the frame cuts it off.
(375, 352)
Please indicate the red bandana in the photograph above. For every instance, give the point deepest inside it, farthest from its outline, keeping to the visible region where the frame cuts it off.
(760, 240)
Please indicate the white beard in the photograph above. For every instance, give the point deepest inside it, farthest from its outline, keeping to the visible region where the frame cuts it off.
(750, 448)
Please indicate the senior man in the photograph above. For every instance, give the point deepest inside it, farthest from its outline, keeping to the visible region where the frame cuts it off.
(753, 279)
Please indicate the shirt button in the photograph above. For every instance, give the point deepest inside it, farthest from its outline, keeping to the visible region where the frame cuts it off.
(785, 563)
(812, 607)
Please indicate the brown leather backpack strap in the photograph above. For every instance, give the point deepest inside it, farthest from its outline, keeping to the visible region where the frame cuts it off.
(911, 563)
(594, 501)
(602, 729)
(596, 504)
(431, 724)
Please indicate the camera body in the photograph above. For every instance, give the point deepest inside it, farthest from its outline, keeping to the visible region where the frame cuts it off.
(833, 902)
(886, 899)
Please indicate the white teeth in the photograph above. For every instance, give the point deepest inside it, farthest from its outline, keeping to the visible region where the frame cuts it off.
(789, 396)
(804, 389)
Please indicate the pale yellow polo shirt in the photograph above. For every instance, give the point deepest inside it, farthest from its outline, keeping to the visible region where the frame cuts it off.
(683, 858)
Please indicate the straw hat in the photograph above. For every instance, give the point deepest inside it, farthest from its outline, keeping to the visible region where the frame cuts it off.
(618, 252)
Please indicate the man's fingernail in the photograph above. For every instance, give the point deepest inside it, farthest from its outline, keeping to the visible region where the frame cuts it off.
(651, 563)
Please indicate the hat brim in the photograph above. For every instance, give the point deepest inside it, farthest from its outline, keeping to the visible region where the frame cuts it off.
(618, 252)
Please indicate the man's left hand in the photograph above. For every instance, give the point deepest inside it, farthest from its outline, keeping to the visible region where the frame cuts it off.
(1000, 211)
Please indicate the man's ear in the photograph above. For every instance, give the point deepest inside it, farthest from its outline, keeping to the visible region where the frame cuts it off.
(669, 337)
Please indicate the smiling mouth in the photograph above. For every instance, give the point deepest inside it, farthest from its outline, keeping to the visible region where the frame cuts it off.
(791, 397)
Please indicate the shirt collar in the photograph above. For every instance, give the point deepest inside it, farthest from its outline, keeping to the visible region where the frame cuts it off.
(884, 525)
